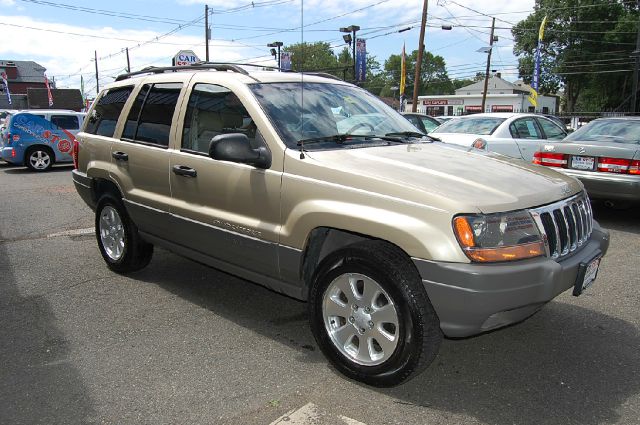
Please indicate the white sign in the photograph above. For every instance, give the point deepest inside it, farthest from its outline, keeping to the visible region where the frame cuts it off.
(185, 58)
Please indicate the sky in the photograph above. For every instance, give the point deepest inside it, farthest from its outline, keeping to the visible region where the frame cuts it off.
(63, 35)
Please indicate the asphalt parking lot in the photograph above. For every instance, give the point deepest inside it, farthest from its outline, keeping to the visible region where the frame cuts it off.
(179, 342)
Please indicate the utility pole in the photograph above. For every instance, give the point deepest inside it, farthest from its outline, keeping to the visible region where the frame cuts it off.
(206, 31)
(95, 56)
(486, 74)
(416, 80)
(128, 63)
(350, 38)
(636, 53)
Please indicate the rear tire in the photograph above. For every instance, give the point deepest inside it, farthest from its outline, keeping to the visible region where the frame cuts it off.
(39, 158)
(119, 242)
(371, 315)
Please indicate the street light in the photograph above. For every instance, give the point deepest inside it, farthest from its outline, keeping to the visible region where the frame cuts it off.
(351, 40)
(277, 44)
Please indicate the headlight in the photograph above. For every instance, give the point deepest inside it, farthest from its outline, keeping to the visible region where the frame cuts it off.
(498, 237)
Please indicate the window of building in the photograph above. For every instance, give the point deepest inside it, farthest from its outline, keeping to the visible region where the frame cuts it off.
(149, 120)
(104, 115)
(68, 122)
(214, 110)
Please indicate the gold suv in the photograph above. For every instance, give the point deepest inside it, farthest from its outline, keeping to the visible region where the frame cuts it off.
(316, 189)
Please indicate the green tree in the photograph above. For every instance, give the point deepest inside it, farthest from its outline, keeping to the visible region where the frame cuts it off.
(580, 39)
(309, 57)
(433, 74)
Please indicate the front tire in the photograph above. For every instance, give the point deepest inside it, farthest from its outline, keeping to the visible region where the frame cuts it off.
(371, 315)
(121, 246)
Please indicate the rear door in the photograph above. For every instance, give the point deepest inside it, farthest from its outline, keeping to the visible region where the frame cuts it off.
(528, 136)
(140, 156)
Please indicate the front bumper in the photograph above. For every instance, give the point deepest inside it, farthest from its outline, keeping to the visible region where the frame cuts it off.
(620, 187)
(472, 298)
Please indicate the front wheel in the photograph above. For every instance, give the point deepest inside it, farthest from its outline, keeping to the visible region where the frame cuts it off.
(120, 244)
(371, 316)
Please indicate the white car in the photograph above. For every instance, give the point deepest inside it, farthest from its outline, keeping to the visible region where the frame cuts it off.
(513, 134)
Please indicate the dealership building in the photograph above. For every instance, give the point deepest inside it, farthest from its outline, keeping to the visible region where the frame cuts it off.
(502, 96)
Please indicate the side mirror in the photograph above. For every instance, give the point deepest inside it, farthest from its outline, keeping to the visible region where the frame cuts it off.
(235, 147)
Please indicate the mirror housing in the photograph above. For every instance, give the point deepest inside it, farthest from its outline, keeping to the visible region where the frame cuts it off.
(235, 147)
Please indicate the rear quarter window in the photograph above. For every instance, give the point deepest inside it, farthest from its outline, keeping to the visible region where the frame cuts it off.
(68, 122)
(104, 116)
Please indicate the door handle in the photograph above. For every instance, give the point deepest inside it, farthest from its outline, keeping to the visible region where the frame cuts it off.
(120, 156)
(183, 170)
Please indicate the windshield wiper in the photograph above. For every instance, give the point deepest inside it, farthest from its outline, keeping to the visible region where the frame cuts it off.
(341, 138)
(412, 134)
(338, 138)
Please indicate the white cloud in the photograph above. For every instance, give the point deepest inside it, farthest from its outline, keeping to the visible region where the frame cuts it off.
(67, 50)
(7, 2)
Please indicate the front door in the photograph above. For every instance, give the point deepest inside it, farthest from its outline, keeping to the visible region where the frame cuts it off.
(225, 210)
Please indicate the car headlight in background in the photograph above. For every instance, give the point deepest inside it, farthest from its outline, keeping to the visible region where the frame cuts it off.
(498, 237)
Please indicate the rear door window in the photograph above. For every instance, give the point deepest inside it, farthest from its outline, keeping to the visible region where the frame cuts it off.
(104, 116)
(150, 118)
(525, 128)
(68, 122)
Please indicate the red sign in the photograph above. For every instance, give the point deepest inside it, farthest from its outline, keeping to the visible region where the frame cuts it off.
(471, 108)
(501, 108)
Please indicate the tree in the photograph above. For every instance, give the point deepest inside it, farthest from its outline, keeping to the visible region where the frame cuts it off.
(433, 74)
(308, 57)
(582, 39)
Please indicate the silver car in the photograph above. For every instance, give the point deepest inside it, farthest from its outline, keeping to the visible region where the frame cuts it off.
(511, 134)
(604, 155)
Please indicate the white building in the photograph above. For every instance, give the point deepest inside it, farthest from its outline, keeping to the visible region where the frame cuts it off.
(502, 96)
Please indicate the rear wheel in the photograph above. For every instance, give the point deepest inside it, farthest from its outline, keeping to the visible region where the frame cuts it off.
(371, 316)
(120, 244)
(39, 158)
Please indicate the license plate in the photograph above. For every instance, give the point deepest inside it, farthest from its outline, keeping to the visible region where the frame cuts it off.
(583, 162)
(586, 275)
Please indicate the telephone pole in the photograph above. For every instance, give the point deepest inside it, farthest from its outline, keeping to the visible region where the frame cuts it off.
(416, 80)
(206, 31)
(635, 54)
(95, 56)
(486, 74)
(128, 63)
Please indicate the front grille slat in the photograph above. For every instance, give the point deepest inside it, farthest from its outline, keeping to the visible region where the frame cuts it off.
(566, 225)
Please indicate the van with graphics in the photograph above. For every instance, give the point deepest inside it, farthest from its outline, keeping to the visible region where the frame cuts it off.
(40, 138)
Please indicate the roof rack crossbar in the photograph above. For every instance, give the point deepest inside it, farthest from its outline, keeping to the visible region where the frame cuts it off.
(198, 65)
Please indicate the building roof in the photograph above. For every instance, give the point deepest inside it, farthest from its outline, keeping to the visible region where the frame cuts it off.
(27, 71)
(496, 85)
(62, 99)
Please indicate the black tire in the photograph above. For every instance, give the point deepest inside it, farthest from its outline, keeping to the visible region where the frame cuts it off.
(419, 333)
(135, 253)
(39, 158)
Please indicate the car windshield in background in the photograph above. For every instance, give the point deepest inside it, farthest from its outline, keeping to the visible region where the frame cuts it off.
(613, 130)
(303, 111)
(480, 125)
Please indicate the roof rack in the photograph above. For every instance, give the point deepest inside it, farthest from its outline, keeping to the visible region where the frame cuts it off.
(218, 66)
(323, 74)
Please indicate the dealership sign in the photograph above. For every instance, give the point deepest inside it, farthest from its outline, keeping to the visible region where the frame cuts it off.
(442, 102)
(185, 58)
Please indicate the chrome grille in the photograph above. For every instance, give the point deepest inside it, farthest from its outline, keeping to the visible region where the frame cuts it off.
(565, 225)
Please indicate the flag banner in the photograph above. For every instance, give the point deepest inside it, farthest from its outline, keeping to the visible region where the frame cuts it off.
(361, 59)
(285, 61)
(6, 86)
(403, 72)
(535, 81)
(46, 84)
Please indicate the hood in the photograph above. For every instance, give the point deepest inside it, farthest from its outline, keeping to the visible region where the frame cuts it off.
(462, 139)
(447, 176)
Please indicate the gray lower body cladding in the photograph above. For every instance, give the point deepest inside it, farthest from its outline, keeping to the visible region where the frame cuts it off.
(474, 298)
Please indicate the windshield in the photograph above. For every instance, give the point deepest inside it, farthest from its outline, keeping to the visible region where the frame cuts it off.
(480, 125)
(622, 131)
(325, 110)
